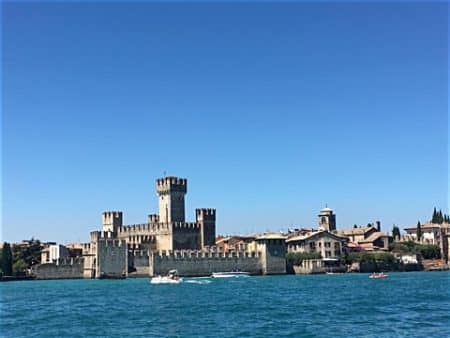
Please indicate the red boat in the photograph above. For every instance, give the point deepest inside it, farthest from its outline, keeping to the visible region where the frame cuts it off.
(378, 275)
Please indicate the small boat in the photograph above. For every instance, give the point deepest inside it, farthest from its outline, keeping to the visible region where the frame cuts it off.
(378, 275)
(172, 277)
(230, 274)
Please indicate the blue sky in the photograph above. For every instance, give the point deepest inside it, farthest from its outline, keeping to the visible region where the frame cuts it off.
(269, 110)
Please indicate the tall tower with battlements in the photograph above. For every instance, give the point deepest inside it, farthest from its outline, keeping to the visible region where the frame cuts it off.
(111, 220)
(171, 191)
(206, 218)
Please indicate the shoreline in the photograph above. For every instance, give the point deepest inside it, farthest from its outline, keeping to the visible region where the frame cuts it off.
(33, 278)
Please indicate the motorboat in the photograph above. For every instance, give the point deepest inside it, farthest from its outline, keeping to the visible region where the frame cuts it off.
(230, 274)
(378, 275)
(172, 277)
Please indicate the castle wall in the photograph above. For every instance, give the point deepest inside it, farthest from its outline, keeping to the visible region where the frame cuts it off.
(273, 256)
(112, 259)
(65, 269)
(139, 262)
(199, 263)
(186, 236)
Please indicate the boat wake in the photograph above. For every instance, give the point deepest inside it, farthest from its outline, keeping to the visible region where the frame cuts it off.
(195, 281)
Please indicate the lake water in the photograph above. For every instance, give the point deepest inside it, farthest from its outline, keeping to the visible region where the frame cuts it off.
(415, 304)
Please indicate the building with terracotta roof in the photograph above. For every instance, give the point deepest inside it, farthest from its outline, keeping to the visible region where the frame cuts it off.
(234, 243)
(432, 233)
(368, 238)
(326, 243)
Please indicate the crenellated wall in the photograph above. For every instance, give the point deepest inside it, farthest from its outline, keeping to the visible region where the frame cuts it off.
(111, 258)
(69, 268)
(138, 262)
(185, 236)
(201, 263)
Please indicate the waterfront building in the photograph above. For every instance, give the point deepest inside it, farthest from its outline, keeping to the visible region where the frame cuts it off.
(53, 253)
(432, 233)
(326, 243)
(369, 238)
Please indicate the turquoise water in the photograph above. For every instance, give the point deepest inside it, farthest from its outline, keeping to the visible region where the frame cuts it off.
(415, 304)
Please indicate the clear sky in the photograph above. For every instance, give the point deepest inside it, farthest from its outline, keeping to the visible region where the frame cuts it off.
(269, 110)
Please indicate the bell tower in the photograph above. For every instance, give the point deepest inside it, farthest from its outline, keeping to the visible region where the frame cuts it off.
(171, 191)
(327, 220)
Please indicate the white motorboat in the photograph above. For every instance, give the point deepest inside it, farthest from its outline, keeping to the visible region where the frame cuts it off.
(230, 274)
(172, 277)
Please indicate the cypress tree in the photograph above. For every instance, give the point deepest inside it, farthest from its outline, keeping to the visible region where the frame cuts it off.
(395, 232)
(7, 259)
(433, 219)
(419, 232)
(440, 218)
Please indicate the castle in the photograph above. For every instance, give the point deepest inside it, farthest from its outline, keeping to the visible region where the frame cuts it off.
(167, 230)
(166, 241)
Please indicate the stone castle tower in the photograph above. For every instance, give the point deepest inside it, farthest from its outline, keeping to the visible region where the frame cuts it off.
(171, 191)
(111, 220)
(206, 218)
(327, 220)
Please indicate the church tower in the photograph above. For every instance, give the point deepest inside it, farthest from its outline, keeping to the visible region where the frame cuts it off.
(327, 220)
(171, 191)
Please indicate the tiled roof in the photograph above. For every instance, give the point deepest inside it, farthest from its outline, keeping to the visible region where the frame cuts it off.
(429, 226)
(373, 237)
(312, 234)
(271, 236)
(354, 231)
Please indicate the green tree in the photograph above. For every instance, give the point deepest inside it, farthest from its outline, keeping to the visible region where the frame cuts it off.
(440, 217)
(7, 260)
(395, 232)
(419, 231)
(434, 218)
(30, 254)
(19, 267)
(429, 251)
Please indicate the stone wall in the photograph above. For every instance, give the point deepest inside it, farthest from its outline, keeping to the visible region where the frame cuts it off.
(112, 259)
(273, 256)
(186, 236)
(138, 262)
(198, 263)
(66, 269)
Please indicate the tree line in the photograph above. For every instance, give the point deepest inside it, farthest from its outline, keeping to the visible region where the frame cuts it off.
(16, 259)
(438, 217)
